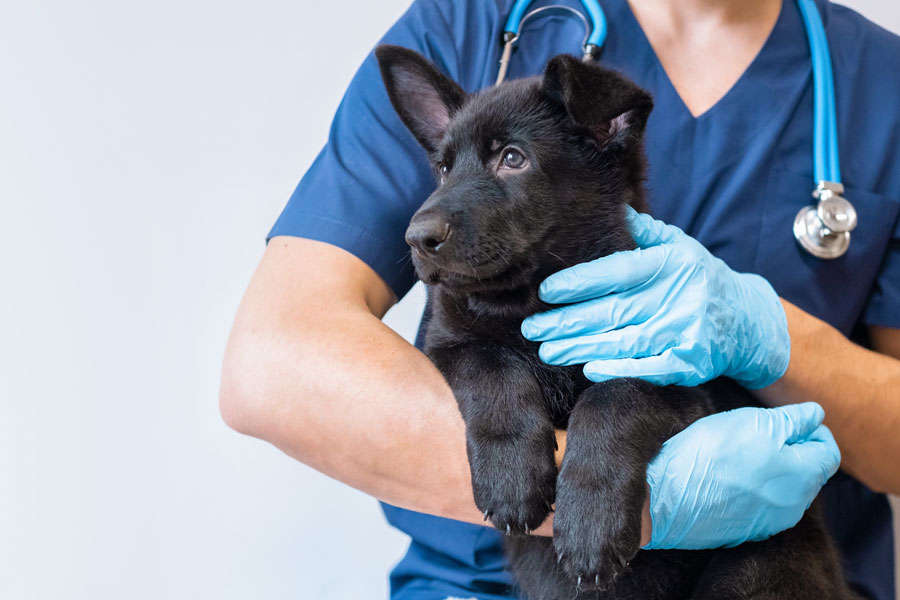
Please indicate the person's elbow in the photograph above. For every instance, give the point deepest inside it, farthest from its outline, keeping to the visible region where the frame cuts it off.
(233, 406)
(239, 406)
(247, 398)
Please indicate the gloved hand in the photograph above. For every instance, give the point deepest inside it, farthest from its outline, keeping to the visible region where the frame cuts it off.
(668, 312)
(738, 476)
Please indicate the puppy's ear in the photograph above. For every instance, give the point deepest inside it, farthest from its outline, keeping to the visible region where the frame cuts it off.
(604, 101)
(424, 97)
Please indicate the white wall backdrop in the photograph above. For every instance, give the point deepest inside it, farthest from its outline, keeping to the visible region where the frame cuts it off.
(145, 149)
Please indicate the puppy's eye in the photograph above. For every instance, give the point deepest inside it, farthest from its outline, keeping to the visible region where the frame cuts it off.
(513, 159)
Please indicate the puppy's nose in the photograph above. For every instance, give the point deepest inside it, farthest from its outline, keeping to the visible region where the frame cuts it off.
(428, 235)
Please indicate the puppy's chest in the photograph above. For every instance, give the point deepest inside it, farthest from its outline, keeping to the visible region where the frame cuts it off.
(559, 387)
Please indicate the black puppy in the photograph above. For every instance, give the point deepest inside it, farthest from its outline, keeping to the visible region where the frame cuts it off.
(534, 176)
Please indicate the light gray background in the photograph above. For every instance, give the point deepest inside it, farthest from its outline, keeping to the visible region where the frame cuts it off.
(145, 149)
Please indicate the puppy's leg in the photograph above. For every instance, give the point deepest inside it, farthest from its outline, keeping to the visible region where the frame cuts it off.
(616, 428)
(509, 436)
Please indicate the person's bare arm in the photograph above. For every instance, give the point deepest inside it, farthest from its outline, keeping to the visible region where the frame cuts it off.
(859, 389)
(310, 368)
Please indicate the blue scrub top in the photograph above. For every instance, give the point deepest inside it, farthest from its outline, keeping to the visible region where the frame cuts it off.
(733, 178)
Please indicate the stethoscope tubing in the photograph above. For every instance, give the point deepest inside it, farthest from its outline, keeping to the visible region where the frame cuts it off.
(826, 161)
(598, 18)
(596, 32)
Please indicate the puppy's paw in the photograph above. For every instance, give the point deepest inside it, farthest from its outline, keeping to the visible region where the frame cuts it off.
(596, 532)
(514, 484)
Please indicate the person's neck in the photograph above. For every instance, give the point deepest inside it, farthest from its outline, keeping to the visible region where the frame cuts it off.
(689, 14)
(705, 45)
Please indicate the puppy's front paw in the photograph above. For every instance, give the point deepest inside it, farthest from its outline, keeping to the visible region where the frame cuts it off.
(514, 482)
(596, 529)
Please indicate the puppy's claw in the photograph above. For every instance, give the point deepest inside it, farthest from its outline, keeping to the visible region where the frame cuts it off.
(508, 529)
(487, 515)
(559, 558)
(597, 579)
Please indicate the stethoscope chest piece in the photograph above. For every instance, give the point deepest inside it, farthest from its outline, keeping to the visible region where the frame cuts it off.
(824, 229)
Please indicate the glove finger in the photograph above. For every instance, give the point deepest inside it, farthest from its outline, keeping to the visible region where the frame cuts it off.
(596, 316)
(648, 231)
(614, 273)
(632, 341)
(820, 449)
(795, 422)
(813, 462)
(663, 369)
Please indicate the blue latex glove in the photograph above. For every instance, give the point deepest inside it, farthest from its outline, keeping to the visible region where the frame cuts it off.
(668, 312)
(738, 476)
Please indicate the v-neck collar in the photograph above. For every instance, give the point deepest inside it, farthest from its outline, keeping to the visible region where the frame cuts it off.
(624, 17)
(759, 100)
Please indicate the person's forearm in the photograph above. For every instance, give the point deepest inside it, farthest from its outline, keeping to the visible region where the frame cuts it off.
(350, 398)
(859, 389)
(402, 438)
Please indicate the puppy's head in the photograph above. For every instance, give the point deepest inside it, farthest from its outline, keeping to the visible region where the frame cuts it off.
(533, 175)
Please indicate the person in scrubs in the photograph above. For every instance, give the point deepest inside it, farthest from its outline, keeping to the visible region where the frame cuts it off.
(311, 368)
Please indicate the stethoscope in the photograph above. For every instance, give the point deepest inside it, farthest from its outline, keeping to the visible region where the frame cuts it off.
(822, 229)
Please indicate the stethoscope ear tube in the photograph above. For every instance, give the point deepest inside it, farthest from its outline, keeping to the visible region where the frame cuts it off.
(594, 32)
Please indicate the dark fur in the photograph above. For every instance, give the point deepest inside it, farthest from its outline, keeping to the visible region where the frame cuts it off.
(483, 242)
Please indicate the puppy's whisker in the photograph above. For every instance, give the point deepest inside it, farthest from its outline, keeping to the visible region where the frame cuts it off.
(559, 258)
